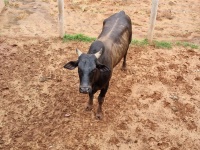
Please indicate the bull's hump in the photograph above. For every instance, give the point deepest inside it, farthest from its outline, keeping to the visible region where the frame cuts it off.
(122, 12)
(113, 27)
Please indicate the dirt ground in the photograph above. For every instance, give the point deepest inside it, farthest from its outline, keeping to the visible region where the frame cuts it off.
(155, 104)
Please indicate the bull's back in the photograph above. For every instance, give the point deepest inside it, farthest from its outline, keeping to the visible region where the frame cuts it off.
(116, 36)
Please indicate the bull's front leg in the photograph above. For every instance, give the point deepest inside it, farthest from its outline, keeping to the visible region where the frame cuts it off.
(101, 97)
(90, 102)
(99, 114)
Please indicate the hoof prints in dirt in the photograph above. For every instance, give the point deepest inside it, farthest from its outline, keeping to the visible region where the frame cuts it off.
(154, 104)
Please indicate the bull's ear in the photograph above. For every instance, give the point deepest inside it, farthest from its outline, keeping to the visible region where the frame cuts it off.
(71, 65)
(103, 68)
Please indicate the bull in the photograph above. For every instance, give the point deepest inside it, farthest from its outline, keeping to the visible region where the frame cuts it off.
(96, 66)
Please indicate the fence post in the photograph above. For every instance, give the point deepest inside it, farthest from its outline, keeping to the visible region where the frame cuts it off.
(153, 15)
(61, 17)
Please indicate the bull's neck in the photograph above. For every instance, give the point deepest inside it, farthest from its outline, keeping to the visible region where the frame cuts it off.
(97, 76)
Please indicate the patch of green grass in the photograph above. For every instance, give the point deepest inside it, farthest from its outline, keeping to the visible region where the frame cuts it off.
(144, 42)
(186, 44)
(6, 2)
(178, 44)
(193, 46)
(163, 44)
(140, 43)
(78, 37)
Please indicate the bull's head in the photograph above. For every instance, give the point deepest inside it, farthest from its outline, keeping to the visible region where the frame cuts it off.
(89, 69)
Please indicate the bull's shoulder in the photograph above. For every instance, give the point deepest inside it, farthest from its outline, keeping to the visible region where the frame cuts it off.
(96, 46)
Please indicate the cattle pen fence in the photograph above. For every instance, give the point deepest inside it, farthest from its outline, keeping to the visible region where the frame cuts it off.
(152, 22)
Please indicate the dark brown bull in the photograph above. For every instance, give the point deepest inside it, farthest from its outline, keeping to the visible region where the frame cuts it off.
(95, 68)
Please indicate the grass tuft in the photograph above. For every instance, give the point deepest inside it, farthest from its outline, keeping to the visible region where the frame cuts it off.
(78, 37)
(144, 42)
(163, 44)
(186, 44)
(140, 43)
(6, 2)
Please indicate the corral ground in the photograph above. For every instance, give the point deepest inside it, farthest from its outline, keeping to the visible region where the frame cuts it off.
(154, 104)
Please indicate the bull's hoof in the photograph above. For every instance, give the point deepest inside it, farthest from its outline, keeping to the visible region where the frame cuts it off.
(88, 108)
(99, 116)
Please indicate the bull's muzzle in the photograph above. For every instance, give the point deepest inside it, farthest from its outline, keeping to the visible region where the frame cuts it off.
(85, 89)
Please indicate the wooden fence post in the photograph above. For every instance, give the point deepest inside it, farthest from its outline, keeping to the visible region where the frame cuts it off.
(152, 20)
(61, 17)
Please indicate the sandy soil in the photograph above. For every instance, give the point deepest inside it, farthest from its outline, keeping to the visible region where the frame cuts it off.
(154, 105)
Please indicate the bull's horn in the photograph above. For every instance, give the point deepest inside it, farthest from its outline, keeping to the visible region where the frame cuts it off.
(98, 54)
(78, 52)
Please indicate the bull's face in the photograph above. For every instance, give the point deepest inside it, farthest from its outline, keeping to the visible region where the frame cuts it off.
(89, 69)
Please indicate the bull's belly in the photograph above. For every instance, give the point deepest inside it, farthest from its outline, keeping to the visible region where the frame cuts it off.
(117, 49)
(118, 52)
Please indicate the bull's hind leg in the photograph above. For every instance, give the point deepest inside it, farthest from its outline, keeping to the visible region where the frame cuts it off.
(124, 63)
(90, 102)
(101, 97)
